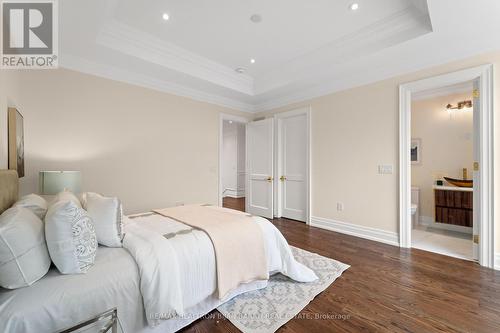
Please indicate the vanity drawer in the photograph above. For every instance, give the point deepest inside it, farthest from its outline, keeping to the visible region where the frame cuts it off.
(462, 217)
(454, 199)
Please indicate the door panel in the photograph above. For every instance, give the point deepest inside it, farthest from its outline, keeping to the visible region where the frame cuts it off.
(293, 169)
(260, 150)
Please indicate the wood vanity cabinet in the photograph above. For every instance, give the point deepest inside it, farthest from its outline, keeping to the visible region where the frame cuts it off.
(453, 207)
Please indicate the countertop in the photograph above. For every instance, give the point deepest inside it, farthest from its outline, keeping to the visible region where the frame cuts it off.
(453, 188)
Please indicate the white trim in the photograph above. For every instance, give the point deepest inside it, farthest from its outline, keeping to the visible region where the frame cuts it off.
(485, 187)
(133, 42)
(277, 159)
(114, 73)
(373, 234)
(497, 261)
(233, 193)
(222, 117)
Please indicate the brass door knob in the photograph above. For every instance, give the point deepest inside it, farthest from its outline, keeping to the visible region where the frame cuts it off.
(282, 178)
(269, 179)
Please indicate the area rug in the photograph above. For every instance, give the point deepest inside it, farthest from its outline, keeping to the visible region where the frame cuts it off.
(266, 310)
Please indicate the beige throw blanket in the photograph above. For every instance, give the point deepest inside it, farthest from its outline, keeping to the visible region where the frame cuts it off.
(237, 240)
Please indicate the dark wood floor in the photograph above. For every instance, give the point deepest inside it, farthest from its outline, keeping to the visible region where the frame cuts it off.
(388, 289)
(233, 203)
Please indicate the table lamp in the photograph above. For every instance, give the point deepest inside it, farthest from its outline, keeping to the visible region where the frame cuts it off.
(53, 182)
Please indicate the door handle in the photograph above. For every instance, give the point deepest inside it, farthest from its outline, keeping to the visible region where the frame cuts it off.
(269, 179)
(282, 178)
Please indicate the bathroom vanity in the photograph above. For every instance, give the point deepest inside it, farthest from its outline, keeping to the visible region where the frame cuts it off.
(453, 205)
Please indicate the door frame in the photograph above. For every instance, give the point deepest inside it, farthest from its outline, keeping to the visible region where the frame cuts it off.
(486, 161)
(222, 117)
(278, 160)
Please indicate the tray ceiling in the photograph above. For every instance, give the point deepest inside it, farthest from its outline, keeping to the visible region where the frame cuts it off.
(301, 48)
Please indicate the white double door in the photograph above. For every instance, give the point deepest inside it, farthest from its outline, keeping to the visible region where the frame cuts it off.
(277, 164)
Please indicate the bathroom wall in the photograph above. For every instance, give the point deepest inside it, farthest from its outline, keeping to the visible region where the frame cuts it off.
(446, 145)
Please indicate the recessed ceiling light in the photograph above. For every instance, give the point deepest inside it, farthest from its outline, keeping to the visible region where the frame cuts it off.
(165, 16)
(240, 70)
(256, 18)
(354, 6)
(252, 61)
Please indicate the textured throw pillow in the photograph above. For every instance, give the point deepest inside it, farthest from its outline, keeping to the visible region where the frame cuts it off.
(67, 196)
(71, 237)
(107, 215)
(35, 203)
(24, 258)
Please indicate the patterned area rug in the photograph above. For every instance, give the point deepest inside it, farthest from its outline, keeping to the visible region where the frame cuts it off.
(267, 309)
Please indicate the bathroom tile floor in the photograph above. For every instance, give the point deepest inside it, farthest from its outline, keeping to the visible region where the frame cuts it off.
(450, 243)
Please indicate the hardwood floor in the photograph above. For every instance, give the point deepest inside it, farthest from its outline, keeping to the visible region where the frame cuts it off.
(234, 203)
(388, 289)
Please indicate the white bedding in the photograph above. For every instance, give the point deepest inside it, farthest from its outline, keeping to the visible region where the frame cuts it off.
(179, 272)
(156, 279)
(60, 301)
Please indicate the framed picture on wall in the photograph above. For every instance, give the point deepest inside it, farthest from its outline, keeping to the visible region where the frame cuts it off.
(16, 141)
(416, 151)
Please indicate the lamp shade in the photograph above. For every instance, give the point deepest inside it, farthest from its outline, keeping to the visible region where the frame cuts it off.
(53, 182)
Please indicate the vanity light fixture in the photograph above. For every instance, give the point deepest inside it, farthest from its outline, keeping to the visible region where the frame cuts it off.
(464, 105)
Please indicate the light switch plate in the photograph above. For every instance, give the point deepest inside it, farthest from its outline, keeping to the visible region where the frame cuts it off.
(385, 169)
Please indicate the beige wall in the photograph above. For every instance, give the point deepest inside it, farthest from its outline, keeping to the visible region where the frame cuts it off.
(149, 148)
(354, 131)
(447, 145)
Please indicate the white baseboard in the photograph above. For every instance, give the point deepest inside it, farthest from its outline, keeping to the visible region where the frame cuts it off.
(232, 193)
(497, 261)
(429, 222)
(378, 235)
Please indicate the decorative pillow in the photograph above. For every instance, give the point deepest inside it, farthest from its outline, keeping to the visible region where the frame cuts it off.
(35, 203)
(67, 196)
(107, 215)
(24, 258)
(70, 236)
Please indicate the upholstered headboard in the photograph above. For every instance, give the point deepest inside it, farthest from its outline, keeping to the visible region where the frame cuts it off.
(9, 189)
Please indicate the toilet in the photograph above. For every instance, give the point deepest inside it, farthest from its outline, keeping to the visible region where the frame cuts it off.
(415, 201)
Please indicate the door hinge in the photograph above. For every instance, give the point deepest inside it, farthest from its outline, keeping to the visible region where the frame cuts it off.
(476, 166)
(476, 93)
(475, 239)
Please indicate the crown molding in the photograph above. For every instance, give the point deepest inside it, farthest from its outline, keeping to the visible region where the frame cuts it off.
(109, 72)
(127, 40)
(397, 28)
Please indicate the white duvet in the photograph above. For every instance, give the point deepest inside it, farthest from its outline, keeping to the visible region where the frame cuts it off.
(179, 271)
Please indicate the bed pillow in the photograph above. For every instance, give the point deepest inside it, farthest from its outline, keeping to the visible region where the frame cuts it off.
(71, 237)
(67, 196)
(35, 203)
(107, 215)
(24, 258)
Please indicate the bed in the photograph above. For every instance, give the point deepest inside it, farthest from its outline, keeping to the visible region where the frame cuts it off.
(119, 279)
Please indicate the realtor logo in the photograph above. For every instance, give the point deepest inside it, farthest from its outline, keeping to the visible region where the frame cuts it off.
(29, 34)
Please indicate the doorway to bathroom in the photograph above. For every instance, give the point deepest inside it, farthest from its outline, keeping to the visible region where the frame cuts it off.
(442, 162)
(446, 165)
